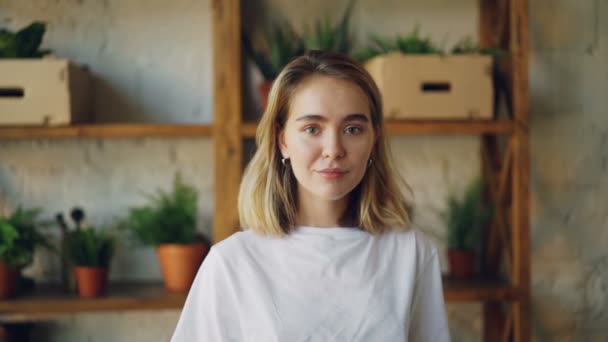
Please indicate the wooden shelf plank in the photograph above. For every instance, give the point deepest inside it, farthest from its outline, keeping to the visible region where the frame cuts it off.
(48, 301)
(405, 127)
(477, 290)
(133, 130)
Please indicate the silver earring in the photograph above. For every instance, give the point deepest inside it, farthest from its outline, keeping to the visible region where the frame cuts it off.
(284, 161)
(369, 162)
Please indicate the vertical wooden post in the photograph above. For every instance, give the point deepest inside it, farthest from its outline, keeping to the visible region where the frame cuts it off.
(518, 46)
(227, 115)
(493, 316)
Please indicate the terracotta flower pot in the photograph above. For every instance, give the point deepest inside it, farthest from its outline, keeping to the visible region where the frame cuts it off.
(179, 264)
(8, 280)
(263, 91)
(462, 263)
(91, 281)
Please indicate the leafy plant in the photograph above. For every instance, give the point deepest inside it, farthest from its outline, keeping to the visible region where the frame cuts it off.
(169, 217)
(328, 37)
(466, 218)
(280, 44)
(411, 43)
(19, 236)
(92, 248)
(466, 46)
(25, 43)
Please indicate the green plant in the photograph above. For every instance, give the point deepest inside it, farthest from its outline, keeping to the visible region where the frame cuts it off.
(25, 43)
(466, 218)
(169, 217)
(466, 46)
(280, 44)
(91, 248)
(411, 43)
(328, 37)
(19, 236)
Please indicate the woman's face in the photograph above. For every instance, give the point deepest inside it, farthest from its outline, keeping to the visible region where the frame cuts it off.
(328, 137)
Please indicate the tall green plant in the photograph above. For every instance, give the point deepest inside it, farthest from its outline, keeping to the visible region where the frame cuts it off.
(24, 43)
(91, 248)
(467, 46)
(19, 236)
(170, 217)
(467, 217)
(280, 44)
(412, 43)
(328, 37)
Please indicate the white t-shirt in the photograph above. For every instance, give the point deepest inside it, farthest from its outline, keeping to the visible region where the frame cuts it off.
(317, 285)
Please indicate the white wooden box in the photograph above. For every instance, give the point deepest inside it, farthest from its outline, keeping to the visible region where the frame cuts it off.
(46, 91)
(434, 87)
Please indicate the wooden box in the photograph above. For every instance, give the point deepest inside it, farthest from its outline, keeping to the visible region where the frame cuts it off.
(434, 87)
(46, 91)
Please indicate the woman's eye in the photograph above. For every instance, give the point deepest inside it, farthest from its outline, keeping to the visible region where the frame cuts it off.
(352, 130)
(311, 130)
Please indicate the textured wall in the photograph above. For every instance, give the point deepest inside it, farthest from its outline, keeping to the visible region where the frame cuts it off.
(135, 49)
(568, 82)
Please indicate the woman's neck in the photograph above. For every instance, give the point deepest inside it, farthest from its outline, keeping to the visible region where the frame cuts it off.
(315, 212)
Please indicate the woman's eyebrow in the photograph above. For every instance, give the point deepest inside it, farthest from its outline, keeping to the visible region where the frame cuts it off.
(357, 117)
(350, 117)
(311, 117)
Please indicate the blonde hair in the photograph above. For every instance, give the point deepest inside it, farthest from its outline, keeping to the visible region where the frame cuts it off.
(267, 200)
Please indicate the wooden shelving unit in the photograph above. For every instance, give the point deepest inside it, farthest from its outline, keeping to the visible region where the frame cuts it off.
(504, 25)
(48, 301)
(506, 304)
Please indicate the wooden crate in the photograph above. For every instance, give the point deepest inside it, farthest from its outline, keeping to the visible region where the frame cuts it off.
(434, 87)
(46, 91)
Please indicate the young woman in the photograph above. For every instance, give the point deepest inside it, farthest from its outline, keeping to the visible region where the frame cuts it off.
(328, 253)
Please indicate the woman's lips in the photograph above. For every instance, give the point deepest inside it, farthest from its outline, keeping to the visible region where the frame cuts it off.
(332, 174)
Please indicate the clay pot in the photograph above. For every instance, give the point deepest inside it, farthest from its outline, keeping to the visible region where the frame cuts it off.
(179, 264)
(8, 280)
(462, 263)
(91, 281)
(263, 91)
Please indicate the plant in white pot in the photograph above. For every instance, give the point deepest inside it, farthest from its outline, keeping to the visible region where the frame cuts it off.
(466, 219)
(168, 223)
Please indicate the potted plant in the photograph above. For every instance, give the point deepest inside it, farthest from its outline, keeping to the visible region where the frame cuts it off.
(24, 43)
(278, 45)
(328, 37)
(19, 237)
(91, 251)
(168, 223)
(68, 278)
(466, 219)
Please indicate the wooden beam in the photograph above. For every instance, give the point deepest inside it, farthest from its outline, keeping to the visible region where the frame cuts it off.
(491, 31)
(518, 44)
(494, 321)
(227, 122)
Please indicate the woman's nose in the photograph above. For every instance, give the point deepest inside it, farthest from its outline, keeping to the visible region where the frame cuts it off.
(333, 146)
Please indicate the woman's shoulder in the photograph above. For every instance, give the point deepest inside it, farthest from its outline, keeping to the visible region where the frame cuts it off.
(238, 243)
(413, 240)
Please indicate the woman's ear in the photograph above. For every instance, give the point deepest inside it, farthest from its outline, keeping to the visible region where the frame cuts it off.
(281, 142)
